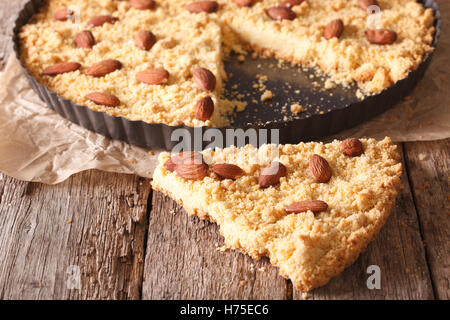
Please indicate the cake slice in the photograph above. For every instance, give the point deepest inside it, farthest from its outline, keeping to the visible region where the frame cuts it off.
(311, 208)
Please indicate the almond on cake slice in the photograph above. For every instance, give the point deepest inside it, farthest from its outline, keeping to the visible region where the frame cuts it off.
(98, 21)
(63, 14)
(281, 13)
(144, 39)
(244, 3)
(310, 232)
(319, 168)
(205, 79)
(202, 6)
(227, 170)
(352, 147)
(381, 36)
(85, 39)
(334, 29)
(142, 4)
(153, 76)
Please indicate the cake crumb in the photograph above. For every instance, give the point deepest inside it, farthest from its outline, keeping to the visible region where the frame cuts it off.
(151, 153)
(243, 283)
(241, 58)
(329, 84)
(297, 108)
(221, 249)
(267, 95)
(422, 156)
(69, 221)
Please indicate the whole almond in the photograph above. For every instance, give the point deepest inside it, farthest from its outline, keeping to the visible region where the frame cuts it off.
(334, 29)
(227, 171)
(144, 39)
(62, 67)
(291, 3)
(381, 36)
(244, 3)
(142, 4)
(281, 13)
(192, 171)
(85, 39)
(320, 169)
(204, 108)
(103, 68)
(103, 98)
(316, 206)
(365, 4)
(98, 21)
(271, 175)
(63, 14)
(153, 76)
(205, 79)
(202, 6)
(352, 147)
(187, 157)
(169, 165)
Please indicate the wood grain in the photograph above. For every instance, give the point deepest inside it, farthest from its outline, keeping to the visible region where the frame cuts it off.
(429, 172)
(95, 220)
(183, 262)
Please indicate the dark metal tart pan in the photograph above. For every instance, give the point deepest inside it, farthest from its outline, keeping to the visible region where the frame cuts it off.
(327, 111)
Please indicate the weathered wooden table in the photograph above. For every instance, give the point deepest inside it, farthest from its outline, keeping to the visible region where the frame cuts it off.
(128, 242)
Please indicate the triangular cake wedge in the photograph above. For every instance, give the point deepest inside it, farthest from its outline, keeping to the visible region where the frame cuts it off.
(263, 219)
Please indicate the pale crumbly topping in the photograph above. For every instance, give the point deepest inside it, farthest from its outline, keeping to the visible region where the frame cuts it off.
(309, 249)
(267, 95)
(349, 58)
(186, 41)
(297, 108)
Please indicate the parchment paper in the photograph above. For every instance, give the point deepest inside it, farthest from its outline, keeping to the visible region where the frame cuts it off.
(39, 145)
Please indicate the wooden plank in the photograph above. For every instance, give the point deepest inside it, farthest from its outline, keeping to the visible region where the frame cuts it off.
(398, 251)
(182, 261)
(95, 220)
(429, 172)
(8, 14)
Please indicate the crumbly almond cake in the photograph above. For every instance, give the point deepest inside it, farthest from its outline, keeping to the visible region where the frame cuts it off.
(311, 208)
(162, 61)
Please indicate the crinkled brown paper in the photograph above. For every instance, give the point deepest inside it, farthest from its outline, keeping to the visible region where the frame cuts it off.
(39, 145)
